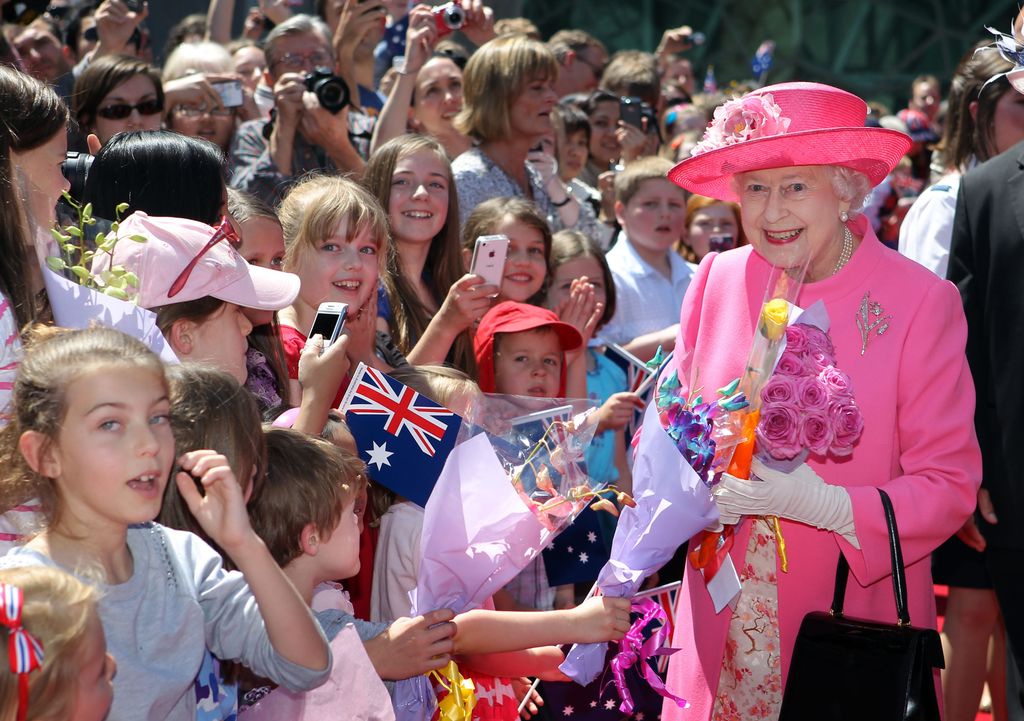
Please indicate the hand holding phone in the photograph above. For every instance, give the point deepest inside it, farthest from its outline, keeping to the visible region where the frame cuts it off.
(631, 111)
(489, 254)
(329, 322)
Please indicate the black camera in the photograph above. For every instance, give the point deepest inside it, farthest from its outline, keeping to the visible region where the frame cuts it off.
(76, 169)
(330, 90)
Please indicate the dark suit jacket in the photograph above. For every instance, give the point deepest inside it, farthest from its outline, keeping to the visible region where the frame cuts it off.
(987, 264)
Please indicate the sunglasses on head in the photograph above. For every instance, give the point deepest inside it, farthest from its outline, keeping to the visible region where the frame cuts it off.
(120, 111)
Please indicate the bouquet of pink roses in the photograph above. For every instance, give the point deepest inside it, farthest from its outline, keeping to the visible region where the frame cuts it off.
(807, 406)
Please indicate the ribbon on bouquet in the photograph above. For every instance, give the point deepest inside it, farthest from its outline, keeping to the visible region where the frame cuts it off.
(460, 701)
(633, 650)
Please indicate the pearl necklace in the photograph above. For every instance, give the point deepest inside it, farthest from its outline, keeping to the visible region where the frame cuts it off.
(846, 252)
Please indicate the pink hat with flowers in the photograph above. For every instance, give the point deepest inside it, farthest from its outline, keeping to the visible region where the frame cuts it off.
(183, 260)
(785, 125)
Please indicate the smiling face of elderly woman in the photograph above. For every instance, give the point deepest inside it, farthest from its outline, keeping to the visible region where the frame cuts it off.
(791, 213)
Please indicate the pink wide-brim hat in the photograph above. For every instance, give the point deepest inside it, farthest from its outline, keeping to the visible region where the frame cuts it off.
(786, 125)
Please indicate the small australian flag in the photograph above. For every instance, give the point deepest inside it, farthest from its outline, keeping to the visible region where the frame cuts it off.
(403, 436)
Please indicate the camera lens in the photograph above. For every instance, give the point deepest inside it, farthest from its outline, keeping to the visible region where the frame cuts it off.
(454, 17)
(331, 91)
(76, 169)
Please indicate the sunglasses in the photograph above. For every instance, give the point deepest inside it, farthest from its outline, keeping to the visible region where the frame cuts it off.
(120, 111)
(224, 231)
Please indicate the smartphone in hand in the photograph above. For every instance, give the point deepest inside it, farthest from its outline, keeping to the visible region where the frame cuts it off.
(489, 254)
(631, 111)
(329, 322)
(230, 92)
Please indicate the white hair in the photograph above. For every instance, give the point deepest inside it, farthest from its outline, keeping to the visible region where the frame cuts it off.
(201, 57)
(850, 186)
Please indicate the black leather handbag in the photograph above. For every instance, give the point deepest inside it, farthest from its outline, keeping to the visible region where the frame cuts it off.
(852, 669)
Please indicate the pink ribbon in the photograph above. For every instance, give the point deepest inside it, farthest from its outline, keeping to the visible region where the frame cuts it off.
(633, 650)
(24, 652)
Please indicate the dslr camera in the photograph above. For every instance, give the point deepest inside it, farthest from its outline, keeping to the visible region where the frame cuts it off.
(76, 169)
(449, 17)
(330, 89)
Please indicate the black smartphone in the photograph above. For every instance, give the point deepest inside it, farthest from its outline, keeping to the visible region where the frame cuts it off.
(133, 5)
(631, 111)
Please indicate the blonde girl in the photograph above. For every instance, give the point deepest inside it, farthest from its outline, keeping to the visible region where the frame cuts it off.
(91, 438)
(335, 234)
(57, 612)
(430, 303)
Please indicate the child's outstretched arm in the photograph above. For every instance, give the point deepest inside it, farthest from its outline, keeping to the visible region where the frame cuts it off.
(291, 628)
(596, 619)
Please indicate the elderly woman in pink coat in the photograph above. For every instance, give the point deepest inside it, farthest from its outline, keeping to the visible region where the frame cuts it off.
(798, 159)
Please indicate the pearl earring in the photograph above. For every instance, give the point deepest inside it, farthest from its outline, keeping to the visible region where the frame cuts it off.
(844, 216)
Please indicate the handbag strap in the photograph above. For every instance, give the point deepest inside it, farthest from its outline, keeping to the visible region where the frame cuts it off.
(899, 578)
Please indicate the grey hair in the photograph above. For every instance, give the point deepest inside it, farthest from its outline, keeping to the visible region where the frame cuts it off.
(849, 185)
(296, 25)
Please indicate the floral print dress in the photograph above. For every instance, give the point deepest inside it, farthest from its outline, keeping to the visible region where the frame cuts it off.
(750, 684)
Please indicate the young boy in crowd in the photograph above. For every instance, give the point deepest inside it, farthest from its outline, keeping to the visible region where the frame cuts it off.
(650, 278)
(306, 514)
(520, 350)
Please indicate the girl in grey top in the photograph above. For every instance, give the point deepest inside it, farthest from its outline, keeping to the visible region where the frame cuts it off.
(92, 440)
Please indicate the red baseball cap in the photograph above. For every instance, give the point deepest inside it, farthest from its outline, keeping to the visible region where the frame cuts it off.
(512, 317)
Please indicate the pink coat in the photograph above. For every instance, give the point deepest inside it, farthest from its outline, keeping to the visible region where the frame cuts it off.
(915, 391)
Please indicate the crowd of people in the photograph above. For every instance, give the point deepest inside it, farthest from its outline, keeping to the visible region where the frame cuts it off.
(183, 538)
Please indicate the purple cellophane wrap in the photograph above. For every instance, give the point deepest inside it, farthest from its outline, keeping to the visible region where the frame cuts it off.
(477, 536)
(672, 504)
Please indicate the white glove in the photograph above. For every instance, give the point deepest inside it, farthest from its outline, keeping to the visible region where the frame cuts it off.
(799, 496)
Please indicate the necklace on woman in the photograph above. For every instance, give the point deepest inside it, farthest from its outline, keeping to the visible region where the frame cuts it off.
(846, 252)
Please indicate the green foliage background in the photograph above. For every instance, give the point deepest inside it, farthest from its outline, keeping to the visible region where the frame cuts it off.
(871, 47)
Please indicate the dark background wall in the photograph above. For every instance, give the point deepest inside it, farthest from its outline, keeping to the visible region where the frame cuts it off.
(871, 47)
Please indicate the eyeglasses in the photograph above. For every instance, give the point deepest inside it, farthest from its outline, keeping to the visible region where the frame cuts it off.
(120, 111)
(195, 111)
(224, 231)
(294, 61)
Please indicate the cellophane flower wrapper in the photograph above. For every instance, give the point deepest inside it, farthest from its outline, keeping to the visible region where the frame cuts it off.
(77, 306)
(485, 520)
(672, 504)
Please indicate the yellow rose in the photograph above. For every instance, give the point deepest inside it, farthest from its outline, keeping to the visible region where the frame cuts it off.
(774, 316)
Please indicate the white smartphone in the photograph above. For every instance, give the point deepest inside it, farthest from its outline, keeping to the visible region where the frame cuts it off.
(489, 258)
(329, 321)
(230, 92)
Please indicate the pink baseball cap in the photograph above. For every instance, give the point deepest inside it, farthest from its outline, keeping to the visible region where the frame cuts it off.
(175, 257)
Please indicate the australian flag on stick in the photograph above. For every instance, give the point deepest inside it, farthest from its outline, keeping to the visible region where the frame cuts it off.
(403, 436)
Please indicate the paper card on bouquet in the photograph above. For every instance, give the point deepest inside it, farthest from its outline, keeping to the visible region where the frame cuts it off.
(403, 436)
